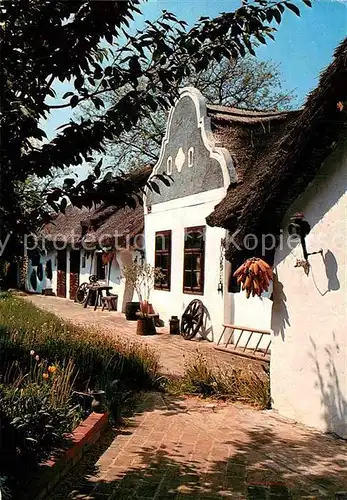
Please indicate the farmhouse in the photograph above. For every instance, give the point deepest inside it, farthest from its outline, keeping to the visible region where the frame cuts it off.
(207, 150)
(238, 177)
(83, 242)
(305, 171)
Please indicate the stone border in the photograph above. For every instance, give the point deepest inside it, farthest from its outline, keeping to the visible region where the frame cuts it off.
(85, 435)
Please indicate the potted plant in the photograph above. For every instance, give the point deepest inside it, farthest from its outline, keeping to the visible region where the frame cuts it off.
(142, 277)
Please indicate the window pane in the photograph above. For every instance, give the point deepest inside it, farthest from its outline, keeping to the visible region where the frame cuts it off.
(196, 279)
(187, 279)
(164, 261)
(196, 261)
(162, 241)
(194, 239)
(159, 242)
(167, 240)
(188, 261)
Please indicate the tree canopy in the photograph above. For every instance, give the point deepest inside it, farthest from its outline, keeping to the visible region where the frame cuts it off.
(90, 43)
(244, 83)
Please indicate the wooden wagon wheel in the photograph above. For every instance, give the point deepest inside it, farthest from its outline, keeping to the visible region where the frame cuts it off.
(82, 292)
(192, 319)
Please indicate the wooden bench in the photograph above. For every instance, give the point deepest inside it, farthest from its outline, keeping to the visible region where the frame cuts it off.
(256, 352)
(110, 301)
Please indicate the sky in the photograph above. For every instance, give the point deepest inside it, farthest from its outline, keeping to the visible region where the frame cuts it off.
(303, 46)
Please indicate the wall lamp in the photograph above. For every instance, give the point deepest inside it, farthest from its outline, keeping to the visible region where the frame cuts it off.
(300, 227)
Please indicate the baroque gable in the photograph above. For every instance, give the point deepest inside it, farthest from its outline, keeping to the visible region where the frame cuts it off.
(189, 153)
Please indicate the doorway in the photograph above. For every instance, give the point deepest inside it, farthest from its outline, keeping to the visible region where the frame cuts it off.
(61, 273)
(74, 273)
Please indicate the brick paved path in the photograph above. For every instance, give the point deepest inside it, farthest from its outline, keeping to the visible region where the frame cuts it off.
(175, 449)
(193, 448)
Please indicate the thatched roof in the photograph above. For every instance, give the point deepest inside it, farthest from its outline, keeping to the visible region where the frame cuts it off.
(65, 227)
(248, 135)
(274, 175)
(106, 224)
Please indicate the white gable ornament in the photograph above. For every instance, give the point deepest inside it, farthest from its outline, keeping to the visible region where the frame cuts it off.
(179, 160)
(190, 157)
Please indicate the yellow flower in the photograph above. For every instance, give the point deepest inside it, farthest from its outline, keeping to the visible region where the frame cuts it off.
(45, 375)
(52, 369)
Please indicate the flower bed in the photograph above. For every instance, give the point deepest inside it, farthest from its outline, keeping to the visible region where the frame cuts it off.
(45, 365)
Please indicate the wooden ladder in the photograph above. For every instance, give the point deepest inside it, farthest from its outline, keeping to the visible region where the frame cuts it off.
(256, 352)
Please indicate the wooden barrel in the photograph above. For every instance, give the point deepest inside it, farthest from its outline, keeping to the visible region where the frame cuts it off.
(131, 308)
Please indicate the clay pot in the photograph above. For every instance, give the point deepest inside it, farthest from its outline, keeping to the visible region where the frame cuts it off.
(98, 401)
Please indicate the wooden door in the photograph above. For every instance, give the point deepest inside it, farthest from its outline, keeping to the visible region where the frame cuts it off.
(74, 272)
(61, 273)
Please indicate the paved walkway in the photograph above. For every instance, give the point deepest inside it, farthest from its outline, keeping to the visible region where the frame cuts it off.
(172, 349)
(193, 448)
(190, 448)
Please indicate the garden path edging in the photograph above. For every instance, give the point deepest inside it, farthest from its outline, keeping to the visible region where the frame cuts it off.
(85, 435)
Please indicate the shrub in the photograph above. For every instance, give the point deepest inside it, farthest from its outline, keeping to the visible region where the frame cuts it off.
(36, 413)
(225, 382)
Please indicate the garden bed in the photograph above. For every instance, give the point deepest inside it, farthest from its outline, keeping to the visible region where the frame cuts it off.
(82, 438)
(45, 366)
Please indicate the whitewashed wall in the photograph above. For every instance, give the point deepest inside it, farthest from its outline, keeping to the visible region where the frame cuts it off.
(116, 279)
(309, 355)
(175, 215)
(51, 254)
(254, 312)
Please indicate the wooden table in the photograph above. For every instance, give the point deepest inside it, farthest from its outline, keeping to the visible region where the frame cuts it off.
(98, 289)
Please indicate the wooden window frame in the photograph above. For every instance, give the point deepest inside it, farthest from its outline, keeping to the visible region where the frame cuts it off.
(166, 287)
(191, 251)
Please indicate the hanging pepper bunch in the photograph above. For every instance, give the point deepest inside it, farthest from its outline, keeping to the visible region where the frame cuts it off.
(255, 275)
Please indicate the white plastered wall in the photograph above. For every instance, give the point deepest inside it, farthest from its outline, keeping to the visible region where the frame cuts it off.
(176, 215)
(309, 355)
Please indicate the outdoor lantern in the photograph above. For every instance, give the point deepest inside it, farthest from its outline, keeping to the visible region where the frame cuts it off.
(299, 226)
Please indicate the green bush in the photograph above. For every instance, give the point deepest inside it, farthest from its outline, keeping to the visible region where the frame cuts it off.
(36, 413)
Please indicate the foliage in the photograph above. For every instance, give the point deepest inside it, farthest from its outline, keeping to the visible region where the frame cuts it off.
(245, 83)
(36, 413)
(142, 277)
(223, 382)
(97, 357)
(82, 42)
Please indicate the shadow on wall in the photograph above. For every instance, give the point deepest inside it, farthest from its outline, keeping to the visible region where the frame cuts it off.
(332, 399)
(279, 314)
(331, 268)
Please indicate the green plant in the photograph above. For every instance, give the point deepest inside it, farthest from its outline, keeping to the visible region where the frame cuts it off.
(142, 277)
(244, 385)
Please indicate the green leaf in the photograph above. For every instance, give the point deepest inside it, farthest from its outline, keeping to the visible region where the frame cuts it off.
(97, 169)
(67, 94)
(308, 3)
(74, 101)
(277, 16)
(293, 8)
